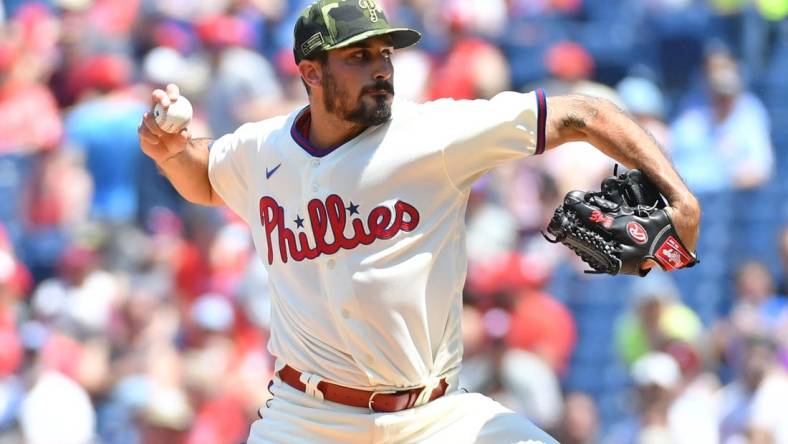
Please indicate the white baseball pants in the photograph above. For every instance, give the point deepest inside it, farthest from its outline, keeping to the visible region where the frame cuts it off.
(293, 417)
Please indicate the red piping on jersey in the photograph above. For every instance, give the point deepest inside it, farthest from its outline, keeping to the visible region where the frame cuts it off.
(300, 134)
(541, 120)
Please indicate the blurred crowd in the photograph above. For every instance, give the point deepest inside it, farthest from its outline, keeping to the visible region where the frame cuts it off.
(129, 316)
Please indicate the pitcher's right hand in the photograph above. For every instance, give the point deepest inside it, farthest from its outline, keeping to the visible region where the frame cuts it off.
(155, 142)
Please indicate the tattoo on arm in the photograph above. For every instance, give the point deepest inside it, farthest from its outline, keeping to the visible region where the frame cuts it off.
(573, 120)
(580, 113)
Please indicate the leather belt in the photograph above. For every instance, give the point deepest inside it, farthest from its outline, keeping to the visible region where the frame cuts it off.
(387, 401)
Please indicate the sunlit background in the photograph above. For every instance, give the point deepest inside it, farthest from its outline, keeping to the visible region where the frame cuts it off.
(128, 316)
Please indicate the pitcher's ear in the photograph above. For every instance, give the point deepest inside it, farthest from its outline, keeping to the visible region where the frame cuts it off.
(311, 72)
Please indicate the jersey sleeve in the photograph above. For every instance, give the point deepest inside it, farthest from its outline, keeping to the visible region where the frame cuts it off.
(227, 171)
(485, 133)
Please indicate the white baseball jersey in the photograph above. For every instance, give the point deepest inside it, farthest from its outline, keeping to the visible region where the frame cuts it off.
(364, 242)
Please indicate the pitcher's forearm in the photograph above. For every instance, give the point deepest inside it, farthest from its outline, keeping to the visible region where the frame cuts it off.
(613, 132)
(188, 173)
(621, 138)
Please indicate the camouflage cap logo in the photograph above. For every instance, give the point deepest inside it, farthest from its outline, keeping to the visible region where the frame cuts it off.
(372, 9)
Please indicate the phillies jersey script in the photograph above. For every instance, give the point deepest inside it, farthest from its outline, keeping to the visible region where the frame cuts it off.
(364, 242)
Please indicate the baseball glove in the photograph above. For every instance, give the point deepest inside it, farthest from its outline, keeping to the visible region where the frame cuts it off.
(618, 228)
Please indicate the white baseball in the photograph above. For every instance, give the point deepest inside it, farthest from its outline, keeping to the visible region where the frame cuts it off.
(175, 117)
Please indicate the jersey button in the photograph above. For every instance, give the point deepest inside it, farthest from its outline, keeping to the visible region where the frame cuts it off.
(316, 162)
(345, 313)
(315, 187)
(331, 264)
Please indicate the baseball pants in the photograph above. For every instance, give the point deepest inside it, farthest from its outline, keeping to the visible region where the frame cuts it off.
(293, 417)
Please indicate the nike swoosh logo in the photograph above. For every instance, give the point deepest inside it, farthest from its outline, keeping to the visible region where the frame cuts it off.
(268, 174)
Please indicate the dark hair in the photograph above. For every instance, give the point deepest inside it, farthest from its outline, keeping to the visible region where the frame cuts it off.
(717, 47)
(320, 57)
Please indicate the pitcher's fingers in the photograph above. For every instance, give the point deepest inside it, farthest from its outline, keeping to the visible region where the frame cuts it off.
(161, 97)
(152, 126)
(648, 264)
(148, 138)
(173, 92)
(185, 134)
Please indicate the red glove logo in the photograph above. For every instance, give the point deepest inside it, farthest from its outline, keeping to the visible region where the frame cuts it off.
(598, 217)
(637, 233)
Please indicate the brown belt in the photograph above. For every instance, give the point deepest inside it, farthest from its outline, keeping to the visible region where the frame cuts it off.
(392, 401)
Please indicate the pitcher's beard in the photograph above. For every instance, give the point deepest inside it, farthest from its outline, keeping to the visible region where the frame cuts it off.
(362, 113)
(377, 113)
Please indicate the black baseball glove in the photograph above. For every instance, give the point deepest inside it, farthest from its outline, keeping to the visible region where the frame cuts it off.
(617, 229)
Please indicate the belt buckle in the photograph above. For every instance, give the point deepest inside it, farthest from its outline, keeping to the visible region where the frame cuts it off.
(376, 393)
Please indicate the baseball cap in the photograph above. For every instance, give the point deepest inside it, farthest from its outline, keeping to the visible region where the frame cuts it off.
(332, 24)
(656, 368)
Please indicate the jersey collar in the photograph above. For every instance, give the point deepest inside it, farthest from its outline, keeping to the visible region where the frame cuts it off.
(300, 134)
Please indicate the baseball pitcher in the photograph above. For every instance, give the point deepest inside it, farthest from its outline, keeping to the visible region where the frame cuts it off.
(356, 204)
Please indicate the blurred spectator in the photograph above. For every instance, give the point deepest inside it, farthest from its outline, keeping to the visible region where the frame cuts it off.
(656, 319)
(166, 416)
(480, 17)
(569, 62)
(505, 280)
(244, 86)
(782, 250)
(56, 202)
(163, 65)
(695, 397)
(540, 338)
(580, 421)
(103, 127)
(478, 368)
(656, 376)
(414, 69)
(471, 67)
(223, 348)
(532, 387)
(756, 296)
(83, 295)
(751, 407)
(773, 9)
(15, 279)
(254, 293)
(29, 117)
(12, 287)
(532, 336)
(49, 204)
(219, 421)
(528, 194)
(57, 410)
(229, 256)
(756, 311)
(544, 327)
(722, 142)
(30, 121)
(644, 100)
(491, 230)
(577, 165)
